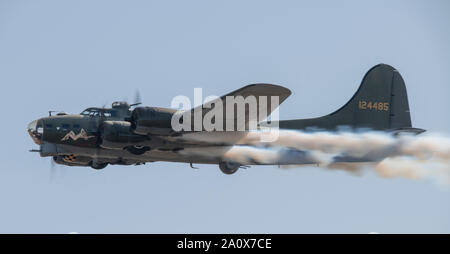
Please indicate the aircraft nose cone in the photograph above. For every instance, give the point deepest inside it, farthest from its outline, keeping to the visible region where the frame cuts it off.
(32, 126)
(36, 130)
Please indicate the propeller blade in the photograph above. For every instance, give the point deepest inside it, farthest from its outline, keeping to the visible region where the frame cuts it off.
(52, 169)
(137, 98)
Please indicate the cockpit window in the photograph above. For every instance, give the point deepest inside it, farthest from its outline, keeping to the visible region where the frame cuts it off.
(86, 112)
(91, 112)
(99, 112)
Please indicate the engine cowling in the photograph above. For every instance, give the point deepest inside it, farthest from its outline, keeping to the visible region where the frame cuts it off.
(152, 120)
(118, 135)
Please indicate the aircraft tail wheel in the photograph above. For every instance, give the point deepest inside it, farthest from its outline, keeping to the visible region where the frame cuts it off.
(98, 166)
(228, 167)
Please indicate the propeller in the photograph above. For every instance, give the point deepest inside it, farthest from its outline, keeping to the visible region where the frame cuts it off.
(55, 170)
(52, 169)
(137, 99)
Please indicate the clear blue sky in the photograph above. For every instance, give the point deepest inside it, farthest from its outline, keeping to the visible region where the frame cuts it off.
(69, 55)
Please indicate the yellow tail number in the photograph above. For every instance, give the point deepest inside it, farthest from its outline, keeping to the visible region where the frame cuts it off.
(369, 105)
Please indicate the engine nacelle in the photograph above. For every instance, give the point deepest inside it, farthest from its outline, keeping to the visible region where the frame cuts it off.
(118, 135)
(152, 120)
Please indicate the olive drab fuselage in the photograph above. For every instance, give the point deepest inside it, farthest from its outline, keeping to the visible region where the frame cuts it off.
(81, 130)
(127, 135)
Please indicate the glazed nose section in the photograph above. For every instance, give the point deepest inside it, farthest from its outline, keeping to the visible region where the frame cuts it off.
(36, 130)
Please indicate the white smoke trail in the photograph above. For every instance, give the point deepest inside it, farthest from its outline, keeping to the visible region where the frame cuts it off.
(415, 169)
(242, 154)
(414, 157)
(375, 145)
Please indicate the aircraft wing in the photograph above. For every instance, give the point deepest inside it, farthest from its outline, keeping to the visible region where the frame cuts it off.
(158, 122)
(257, 97)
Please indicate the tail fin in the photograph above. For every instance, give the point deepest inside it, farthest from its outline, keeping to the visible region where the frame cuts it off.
(380, 103)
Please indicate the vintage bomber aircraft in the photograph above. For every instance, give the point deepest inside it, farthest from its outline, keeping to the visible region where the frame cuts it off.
(128, 135)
